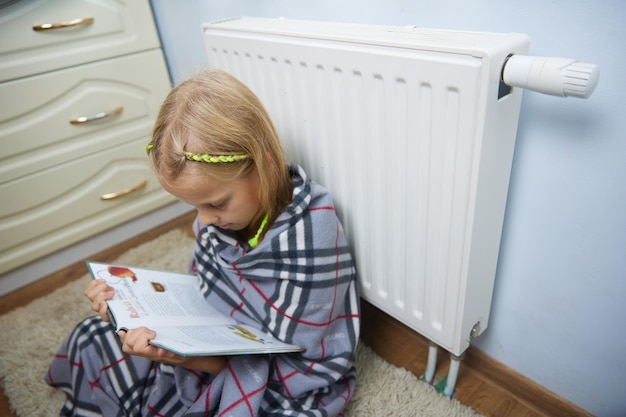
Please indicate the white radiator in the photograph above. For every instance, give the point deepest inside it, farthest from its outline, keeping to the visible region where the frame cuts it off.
(413, 133)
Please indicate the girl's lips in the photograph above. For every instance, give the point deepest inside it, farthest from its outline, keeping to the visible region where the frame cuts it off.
(225, 226)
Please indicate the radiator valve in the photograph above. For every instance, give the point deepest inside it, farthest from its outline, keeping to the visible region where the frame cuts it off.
(562, 77)
(475, 330)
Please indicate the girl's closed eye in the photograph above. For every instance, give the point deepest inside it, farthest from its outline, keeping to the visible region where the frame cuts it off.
(219, 205)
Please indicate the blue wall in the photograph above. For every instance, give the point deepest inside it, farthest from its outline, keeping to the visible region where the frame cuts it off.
(559, 309)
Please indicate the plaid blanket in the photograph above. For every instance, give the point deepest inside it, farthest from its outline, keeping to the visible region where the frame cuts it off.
(299, 285)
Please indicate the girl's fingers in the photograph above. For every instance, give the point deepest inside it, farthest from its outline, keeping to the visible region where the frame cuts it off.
(95, 287)
(99, 303)
(136, 342)
(103, 311)
(98, 292)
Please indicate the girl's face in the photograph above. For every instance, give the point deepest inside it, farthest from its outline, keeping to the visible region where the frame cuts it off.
(228, 205)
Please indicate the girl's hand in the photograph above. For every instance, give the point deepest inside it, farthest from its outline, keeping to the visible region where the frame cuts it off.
(135, 342)
(98, 292)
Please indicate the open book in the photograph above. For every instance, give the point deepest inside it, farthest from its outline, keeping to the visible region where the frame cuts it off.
(170, 303)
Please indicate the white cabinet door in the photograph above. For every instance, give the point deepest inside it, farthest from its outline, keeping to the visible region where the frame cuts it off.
(62, 205)
(36, 112)
(80, 31)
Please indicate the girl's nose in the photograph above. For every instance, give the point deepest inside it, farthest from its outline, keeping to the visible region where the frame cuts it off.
(207, 217)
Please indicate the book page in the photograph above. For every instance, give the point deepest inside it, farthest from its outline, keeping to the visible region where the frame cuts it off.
(218, 340)
(171, 304)
(155, 298)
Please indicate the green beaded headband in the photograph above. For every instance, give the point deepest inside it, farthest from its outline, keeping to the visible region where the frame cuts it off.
(214, 159)
(208, 158)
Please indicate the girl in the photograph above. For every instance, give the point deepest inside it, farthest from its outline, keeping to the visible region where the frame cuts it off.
(270, 252)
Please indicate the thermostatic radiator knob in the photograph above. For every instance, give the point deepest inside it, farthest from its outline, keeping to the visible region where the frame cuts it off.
(556, 76)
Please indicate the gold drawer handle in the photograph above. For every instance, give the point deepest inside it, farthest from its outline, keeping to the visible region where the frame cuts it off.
(72, 23)
(98, 116)
(113, 196)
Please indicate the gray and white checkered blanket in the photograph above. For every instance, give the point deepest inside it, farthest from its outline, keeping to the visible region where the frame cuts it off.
(299, 284)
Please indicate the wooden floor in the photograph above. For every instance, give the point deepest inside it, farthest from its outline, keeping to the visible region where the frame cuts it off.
(483, 384)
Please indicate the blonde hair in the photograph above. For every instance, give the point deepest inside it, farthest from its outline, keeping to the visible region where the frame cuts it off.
(214, 113)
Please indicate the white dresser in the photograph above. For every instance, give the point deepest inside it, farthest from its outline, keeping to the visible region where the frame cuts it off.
(81, 83)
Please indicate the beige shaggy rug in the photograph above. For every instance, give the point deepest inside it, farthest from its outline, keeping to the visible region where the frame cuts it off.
(31, 335)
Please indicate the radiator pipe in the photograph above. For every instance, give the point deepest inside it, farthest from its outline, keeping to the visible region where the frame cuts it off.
(453, 373)
(431, 365)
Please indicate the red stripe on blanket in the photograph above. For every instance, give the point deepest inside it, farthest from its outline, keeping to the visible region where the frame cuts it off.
(244, 396)
(95, 383)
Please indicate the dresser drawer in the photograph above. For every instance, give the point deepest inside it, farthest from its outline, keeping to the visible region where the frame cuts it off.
(57, 207)
(36, 113)
(95, 31)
